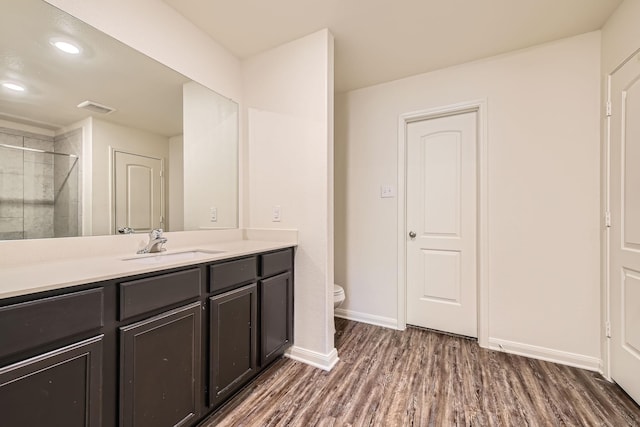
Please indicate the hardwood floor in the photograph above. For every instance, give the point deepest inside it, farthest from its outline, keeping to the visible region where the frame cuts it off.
(423, 378)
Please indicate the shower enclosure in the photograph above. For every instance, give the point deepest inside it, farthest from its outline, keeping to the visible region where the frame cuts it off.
(40, 184)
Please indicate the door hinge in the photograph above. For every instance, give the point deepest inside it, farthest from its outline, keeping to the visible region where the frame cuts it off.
(161, 174)
(607, 328)
(608, 108)
(607, 219)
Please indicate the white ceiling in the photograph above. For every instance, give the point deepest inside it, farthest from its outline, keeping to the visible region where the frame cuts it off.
(375, 41)
(383, 40)
(145, 94)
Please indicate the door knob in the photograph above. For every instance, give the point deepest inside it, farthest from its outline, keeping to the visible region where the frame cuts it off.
(412, 234)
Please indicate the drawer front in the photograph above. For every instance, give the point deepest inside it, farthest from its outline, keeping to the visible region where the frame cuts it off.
(276, 262)
(228, 274)
(34, 323)
(144, 295)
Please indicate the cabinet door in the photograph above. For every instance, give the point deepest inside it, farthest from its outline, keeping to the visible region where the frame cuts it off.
(276, 316)
(233, 341)
(59, 388)
(160, 365)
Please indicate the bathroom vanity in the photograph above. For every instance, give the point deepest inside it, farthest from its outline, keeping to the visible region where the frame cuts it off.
(166, 346)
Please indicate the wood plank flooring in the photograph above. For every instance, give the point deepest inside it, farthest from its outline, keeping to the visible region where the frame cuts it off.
(423, 378)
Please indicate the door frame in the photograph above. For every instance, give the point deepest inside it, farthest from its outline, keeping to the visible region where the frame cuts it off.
(482, 242)
(112, 185)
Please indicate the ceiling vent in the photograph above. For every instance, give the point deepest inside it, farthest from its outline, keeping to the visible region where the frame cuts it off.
(95, 107)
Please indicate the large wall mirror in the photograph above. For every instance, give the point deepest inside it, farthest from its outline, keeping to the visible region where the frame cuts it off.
(96, 137)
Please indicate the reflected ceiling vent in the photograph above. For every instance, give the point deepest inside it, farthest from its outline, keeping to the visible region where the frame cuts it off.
(95, 107)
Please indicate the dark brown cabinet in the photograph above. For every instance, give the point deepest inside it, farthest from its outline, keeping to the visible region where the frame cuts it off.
(160, 364)
(276, 316)
(154, 349)
(233, 345)
(60, 388)
(276, 304)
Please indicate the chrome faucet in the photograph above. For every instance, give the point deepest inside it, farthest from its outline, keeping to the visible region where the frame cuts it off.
(156, 242)
(126, 230)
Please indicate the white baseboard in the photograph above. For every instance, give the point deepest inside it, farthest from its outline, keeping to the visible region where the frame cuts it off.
(371, 319)
(313, 358)
(547, 354)
(542, 353)
(601, 370)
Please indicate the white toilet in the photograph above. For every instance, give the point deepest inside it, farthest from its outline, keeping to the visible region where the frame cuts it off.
(338, 296)
(338, 299)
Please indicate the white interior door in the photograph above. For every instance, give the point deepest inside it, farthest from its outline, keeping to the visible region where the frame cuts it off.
(137, 192)
(625, 227)
(441, 224)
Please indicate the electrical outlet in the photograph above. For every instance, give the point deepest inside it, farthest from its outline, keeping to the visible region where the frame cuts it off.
(213, 214)
(275, 214)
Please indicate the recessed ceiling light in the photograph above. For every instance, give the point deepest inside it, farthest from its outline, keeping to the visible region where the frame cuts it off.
(14, 86)
(66, 47)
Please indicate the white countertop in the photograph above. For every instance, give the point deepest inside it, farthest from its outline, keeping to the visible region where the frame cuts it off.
(45, 276)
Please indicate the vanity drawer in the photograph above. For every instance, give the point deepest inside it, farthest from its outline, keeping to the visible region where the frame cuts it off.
(34, 323)
(276, 262)
(227, 274)
(144, 295)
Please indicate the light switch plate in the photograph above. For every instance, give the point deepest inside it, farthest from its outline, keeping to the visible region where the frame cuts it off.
(275, 214)
(213, 214)
(387, 191)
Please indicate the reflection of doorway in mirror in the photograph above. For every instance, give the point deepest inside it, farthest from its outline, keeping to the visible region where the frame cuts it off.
(40, 194)
(138, 189)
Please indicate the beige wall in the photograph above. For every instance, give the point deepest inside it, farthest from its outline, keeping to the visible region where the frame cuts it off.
(211, 153)
(620, 35)
(176, 183)
(543, 198)
(288, 92)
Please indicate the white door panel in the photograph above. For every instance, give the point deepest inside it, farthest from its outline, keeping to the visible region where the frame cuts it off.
(441, 211)
(624, 192)
(441, 163)
(138, 192)
(441, 273)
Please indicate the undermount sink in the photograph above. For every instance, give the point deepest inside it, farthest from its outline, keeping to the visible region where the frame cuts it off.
(163, 258)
